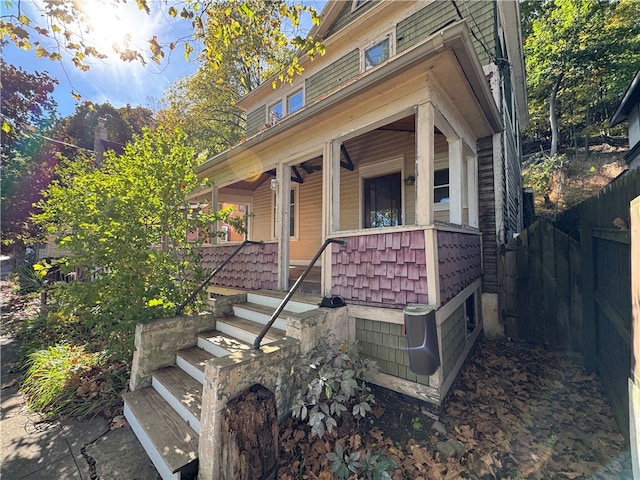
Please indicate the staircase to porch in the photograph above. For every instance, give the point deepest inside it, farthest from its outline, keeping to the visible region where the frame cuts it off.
(165, 416)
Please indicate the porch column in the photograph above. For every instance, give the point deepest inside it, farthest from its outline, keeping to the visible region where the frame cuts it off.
(283, 200)
(472, 190)
(456, 174)
(330, 206)
(425, 124)
(214, 208)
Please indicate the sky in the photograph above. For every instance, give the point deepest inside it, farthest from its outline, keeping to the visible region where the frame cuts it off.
(113, 80)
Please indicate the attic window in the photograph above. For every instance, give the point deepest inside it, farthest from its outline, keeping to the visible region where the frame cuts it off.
(375, 54)
(295, 101)
(275, 113)
(357, 4)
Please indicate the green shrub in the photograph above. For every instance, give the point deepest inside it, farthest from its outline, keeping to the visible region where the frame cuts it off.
(331, 385)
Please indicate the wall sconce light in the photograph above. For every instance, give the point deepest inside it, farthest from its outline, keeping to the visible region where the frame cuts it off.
(410, 180)
(274, 184)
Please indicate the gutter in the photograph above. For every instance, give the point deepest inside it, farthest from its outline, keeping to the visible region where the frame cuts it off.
(455, 37)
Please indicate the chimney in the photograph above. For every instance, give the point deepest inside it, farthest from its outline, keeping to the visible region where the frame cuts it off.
(99, 137)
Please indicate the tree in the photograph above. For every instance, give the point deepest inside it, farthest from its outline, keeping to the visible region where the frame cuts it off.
(127, 222)
(68, 24)
(27, 160)
(580, 55)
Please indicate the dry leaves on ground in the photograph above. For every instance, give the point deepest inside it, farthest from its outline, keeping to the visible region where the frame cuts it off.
(519, 411)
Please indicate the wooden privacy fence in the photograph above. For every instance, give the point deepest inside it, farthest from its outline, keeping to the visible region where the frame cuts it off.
(542, 297)
(570, 287)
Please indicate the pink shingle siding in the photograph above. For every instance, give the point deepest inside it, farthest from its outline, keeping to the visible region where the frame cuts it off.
(254, 267)
(459, 262)
(383, 270)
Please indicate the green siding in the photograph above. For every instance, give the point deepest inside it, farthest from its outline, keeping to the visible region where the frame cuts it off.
(480, 16)
(347, 15)
(385, 343)
(454, 339)
(256, 120)
(330, 77)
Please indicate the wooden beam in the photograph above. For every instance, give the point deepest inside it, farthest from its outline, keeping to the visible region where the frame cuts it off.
(348, 164)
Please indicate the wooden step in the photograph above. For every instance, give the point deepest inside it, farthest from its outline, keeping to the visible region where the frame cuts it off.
(220, 344)
(182, 392)
(192, 361)
(246, 330)
(261, 314)
(169, 441)
(299, 302)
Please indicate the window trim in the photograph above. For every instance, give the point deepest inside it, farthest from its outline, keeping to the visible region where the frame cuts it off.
(270, 119)
(355, 4)
(299, 91)
(283, 101)
(392, 49)
(296, 211)
(441, 206)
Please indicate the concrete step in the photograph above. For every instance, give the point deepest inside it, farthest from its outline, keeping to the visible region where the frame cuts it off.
(220, 344)
(192, 361)
(182, 392)
(172, 445)
(299, 302)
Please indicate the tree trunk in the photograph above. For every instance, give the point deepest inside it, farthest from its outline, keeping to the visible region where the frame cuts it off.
(553, 116)
(249, 436)
(587, 135)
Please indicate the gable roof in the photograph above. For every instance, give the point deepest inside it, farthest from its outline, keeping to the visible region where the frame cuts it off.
(631, 98)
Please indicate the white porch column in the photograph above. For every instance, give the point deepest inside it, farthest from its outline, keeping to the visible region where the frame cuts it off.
(330, 206)
(214, 208)
(472, 190)
(456, 174)
(283, 201)
(425, 123)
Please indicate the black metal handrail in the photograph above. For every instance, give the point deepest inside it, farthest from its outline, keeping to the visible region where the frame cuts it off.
(292, 290)
(214, 273)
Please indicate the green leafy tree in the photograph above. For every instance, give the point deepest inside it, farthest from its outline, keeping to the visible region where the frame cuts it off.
(125, 224)
(68, 24)
(580, 55)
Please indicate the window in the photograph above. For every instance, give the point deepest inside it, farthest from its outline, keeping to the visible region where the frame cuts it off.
(377, 53)
(441, 186)
(275, 113)
(295, 101)
(382, 201)
(292, 214)
(358, 3)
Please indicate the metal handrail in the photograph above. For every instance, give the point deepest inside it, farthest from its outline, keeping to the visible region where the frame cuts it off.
(214, 273)
(292, 290)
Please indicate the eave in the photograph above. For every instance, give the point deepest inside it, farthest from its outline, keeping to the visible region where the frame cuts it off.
(631, 97)
(454, 38)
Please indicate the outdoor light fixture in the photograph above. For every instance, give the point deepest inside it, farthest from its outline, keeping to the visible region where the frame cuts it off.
(410, 180)
(274, 184)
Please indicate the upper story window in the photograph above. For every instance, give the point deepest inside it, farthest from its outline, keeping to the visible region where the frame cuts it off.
(295, 101)
(284, 107)
(377, 53)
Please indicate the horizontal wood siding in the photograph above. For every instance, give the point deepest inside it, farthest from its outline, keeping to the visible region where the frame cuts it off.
(459, 262)
(487, 211)
(381, 270)
(348, 14)
(262, 220)
(254, 267)
(332, 76)
(420, 25)
(480, 16)
(310, 218)
(256, 120)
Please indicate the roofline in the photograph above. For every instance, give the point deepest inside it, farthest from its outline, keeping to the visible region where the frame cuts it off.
(631, 96)
(455, 37)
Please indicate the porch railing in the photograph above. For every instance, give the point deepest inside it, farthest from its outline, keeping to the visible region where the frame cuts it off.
(292, 290)
(214, 273)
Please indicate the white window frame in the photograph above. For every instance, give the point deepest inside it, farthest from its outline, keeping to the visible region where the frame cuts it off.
(299, 91)
(284, 106)
(441, 206)
(392, 49)
(356, 4)
(296, 211)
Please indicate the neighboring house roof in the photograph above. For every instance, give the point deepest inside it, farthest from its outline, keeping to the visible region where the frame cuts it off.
(631, 98)
(107, 145)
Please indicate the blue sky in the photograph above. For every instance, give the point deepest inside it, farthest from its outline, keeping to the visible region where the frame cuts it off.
(112, 80)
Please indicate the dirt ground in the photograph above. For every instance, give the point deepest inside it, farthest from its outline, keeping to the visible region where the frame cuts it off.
(517, 411)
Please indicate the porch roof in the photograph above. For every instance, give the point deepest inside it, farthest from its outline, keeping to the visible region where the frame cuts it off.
(455, 39)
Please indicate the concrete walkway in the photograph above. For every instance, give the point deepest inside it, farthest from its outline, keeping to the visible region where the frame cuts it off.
(34, 449)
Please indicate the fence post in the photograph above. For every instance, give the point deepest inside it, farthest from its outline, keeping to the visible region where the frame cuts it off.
(588, 313)
(634, 380)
